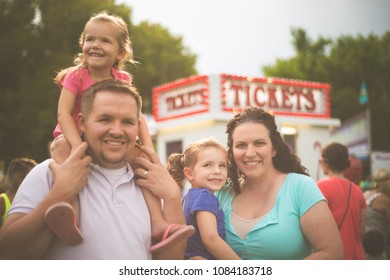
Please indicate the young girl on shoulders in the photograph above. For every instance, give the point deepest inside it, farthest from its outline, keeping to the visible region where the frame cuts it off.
(106, 46)
(204, 165)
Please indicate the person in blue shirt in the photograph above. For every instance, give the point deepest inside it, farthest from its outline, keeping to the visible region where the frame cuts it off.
(204, 165)
(272, 208)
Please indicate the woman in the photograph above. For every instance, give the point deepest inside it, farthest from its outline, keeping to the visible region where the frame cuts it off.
(345, 199)
(378, 209)
(273, 209)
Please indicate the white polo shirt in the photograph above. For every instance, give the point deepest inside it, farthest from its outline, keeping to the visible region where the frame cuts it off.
(114, 218)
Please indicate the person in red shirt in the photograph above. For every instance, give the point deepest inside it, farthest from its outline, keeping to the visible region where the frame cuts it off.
(345, 199)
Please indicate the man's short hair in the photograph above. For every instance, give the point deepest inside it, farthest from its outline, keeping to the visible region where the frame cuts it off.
(111, 85)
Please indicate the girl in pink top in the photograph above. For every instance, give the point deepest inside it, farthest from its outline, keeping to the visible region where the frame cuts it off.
(106, 46)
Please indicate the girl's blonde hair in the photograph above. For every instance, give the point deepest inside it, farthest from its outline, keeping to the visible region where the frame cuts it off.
(381, 180)
(123, 40)
(176, 162)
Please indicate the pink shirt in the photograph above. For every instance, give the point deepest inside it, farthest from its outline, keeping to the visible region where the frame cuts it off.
(78, 81)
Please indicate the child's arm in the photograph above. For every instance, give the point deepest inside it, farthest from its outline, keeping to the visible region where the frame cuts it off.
(66, 105)
(207, 223)
(144, 134)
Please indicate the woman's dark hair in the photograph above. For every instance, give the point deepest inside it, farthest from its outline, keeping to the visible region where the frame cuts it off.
(284, 160)
(336, 156)
(381, 181)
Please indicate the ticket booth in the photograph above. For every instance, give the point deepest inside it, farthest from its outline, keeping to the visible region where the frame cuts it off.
(196, 107)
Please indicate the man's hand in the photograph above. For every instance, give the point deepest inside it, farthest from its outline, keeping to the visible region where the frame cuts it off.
(71, 176)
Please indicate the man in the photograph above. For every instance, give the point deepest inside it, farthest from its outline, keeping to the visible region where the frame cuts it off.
(114, 217)
(345, 199)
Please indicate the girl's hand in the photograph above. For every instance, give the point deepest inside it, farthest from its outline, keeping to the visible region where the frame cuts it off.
(137, 152)
(151, 174)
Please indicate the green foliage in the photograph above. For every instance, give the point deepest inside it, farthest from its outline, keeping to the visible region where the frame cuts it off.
(162, 58)
(39, 38)
(345, 63)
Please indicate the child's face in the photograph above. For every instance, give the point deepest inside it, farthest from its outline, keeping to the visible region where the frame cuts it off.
(210, 170)
(101, 47)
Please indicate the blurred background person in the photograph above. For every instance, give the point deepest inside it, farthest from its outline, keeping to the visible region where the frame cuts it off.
(17, 170)
(355, 170)
(378, 207)
(374, 244)
(345, 199)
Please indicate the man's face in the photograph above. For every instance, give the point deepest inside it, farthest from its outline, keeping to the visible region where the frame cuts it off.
(111, 128)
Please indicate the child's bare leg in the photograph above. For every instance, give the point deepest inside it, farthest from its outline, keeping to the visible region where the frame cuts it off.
(159, 224)
(62, 218)
(60, 149)
(164, 233)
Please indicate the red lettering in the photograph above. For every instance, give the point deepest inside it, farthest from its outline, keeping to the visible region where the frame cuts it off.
(170, 103)
(270, 96)
(312, 104)
(247, 91)
(236, 89)
(286, 102)
(257, 96)
(185, 100)
(298, 95)
(272, 101)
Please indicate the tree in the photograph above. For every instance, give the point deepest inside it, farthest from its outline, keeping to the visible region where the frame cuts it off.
(41, 38)
(345, 63)
(18, 31)
(353, 60)
(308, 62)
(162, 58)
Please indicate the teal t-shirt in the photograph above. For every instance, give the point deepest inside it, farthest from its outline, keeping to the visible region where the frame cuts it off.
(278, 235)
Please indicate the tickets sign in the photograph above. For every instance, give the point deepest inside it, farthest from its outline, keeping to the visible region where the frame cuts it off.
(281, 96)
(181, 98)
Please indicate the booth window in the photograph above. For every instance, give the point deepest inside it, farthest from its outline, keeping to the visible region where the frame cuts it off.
(174, 147)
(289, 136)
(290, 141)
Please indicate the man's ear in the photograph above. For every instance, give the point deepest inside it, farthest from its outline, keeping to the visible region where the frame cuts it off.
(81, 122)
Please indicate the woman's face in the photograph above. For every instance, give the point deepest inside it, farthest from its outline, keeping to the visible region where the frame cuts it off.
(252, 149)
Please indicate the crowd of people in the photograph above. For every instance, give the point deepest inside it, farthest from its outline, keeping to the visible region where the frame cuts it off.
(105, 194)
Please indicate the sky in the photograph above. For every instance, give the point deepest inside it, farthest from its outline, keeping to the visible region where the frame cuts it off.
(239, 37)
